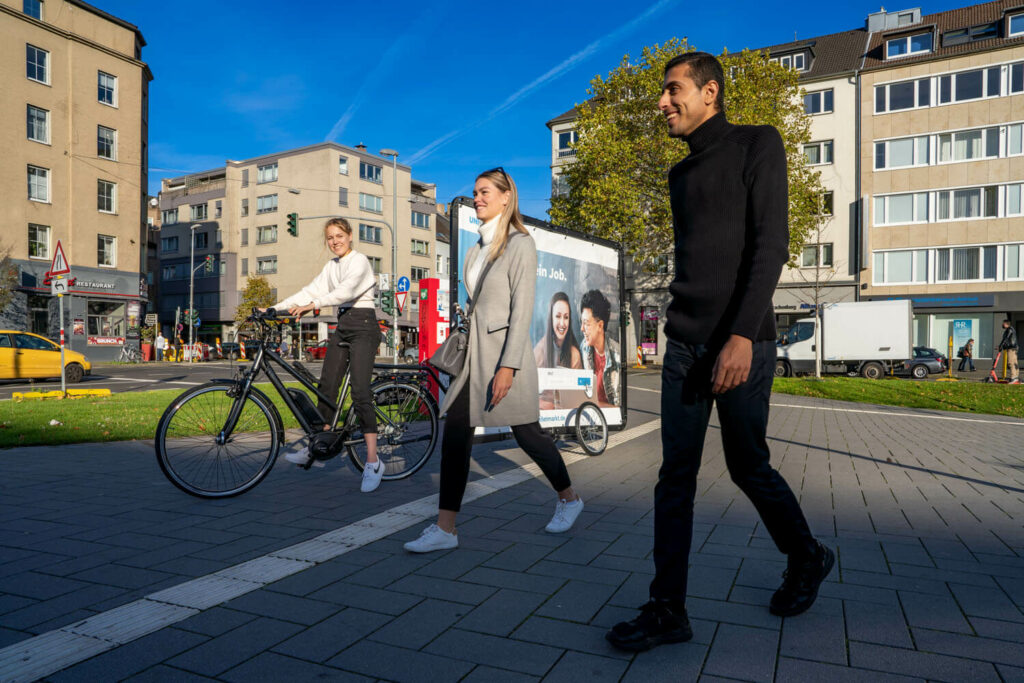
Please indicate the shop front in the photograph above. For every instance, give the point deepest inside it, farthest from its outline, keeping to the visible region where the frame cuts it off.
(102, 311)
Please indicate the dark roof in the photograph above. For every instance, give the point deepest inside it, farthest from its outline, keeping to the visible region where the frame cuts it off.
(941, 22)
(831, 55)
(569, 115)
(110, 17)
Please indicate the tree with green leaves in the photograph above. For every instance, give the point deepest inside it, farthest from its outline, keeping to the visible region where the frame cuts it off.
(8, 279)
(257, 294)
(618, 183)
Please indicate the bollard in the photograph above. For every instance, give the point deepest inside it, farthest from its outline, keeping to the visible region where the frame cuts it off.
(640, 358)
(220, 352)
(241, 349)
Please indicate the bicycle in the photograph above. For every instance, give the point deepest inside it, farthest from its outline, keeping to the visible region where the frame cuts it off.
(222, 438)
(129, 354)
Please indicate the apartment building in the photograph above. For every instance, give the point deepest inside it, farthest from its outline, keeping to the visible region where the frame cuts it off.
(73, 127)
(942, 118)
(238, 215)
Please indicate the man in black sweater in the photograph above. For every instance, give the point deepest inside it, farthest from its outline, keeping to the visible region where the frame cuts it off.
(730, 218)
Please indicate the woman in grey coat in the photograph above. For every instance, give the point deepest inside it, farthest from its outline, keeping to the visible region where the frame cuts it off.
(498, 383)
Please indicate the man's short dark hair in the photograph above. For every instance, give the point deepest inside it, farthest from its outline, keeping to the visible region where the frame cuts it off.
(1007, 321)
(598, 305)
(703, 67)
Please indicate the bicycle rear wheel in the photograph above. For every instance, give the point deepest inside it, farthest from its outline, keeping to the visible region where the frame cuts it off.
(406, 429)
(591, 429)
(194, 456)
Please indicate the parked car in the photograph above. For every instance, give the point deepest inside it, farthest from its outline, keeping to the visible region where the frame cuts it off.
(926, 361)
(410, 356)
(24, 355)
(316, 352)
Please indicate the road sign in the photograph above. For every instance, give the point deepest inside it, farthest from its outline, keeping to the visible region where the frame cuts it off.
(151, 319)
(400, 297)
(384, 281)
(60, 264)
(58, 285)
(403, 284)
(197, 322)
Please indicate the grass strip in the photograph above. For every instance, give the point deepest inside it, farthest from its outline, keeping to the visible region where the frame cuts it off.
(963, 397)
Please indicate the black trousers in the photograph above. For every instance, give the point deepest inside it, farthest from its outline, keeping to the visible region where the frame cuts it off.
(457, 446)
(686, 401)
(358, 327)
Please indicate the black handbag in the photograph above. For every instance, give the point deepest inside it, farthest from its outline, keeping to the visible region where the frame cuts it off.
(450, 357)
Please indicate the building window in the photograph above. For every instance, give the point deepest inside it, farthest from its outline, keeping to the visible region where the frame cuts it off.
(818, 153)
(975, 202)
(106, 196)
(441, 265)
(1014, 266)
(38, 241)
(900, 267)
(168, 244)
(819, 102)
(418, 273)
(825, 204)
(970, 85)
(266, 173)
(421, 220)
(106, 142)
(169, 216)
(421, 247)
(816, 255)
(245, 266)
(265, 234)
(559, 186)
(106, 319)
(973, 33)
(904, 95)
(198, 212)
(369, 233)
(245, 208)
(901, 153)
(33, 8)
(37, 64)
(266, 204)
(566, 140)
(266, 265)
(245, 237)
(897, 209)
(245, 177)
(965, 263)
(372, 203)
(797, 62)
(38, 184)
(38, 122)
(200, 240)
(1015, 25)
(218, 208)
(375, 263)
(1013, 200)
(905, 46)
(106, 88)
(106, 250)
(369, 172)
(342, 196)
(343, 165)
(969, 144)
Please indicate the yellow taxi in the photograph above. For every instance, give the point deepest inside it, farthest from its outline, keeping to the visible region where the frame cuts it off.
(24, 355)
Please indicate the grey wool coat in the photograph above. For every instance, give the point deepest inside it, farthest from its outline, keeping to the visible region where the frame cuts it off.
(499, 335)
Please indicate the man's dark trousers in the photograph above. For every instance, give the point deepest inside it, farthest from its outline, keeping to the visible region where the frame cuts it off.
(686, 401)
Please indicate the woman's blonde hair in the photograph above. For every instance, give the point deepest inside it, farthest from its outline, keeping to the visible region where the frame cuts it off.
(510, 216)
(338, 223)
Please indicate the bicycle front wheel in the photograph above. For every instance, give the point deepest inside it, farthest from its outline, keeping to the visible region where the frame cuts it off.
(591, 429)
(406, 430)
(200, 461)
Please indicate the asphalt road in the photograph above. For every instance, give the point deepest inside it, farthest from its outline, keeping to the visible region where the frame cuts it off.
(142, 377)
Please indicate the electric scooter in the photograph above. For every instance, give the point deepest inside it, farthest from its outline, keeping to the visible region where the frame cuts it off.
(992, 376)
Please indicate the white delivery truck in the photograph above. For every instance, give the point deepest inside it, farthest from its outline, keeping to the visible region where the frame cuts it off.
(868, 338)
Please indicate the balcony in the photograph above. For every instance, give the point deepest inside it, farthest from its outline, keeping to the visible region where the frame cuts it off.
(563, 153)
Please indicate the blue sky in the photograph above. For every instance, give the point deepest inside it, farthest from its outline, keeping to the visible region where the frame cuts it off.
(455, 86)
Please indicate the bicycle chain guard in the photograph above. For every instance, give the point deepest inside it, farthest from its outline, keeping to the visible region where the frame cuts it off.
(326, 445)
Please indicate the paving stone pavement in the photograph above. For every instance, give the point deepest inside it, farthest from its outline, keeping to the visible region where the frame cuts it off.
(925, 510)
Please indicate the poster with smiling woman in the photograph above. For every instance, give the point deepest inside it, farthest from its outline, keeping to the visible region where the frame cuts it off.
(575, 329)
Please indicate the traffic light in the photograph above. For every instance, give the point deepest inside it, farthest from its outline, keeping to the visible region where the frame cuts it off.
(293, 224)
(208, 265)
(387, 301)
(625, 317)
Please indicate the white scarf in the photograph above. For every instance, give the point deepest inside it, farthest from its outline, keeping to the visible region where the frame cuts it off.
(487, 231)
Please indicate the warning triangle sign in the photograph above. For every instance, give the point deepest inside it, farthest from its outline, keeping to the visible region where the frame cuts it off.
(400, 298)
(60, 264)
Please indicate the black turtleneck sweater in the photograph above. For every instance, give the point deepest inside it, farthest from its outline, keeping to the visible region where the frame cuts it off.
(730, 218)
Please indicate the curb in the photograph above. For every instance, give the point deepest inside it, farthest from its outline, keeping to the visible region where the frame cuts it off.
(71, 393)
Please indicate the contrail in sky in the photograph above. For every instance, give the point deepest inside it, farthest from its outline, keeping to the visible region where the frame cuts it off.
(551, 74)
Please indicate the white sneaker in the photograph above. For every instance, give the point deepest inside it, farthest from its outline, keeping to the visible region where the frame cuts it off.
(372, 475)
(565, 516)
(433, 538)
(301, 457)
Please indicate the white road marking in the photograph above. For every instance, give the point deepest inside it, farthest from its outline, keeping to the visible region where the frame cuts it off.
(42, 655)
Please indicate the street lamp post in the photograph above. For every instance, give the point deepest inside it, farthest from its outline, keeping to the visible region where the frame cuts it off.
(394, 244)
(191, 285)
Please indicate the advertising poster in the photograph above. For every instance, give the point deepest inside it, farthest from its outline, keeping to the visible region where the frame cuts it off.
(575, 332)
(78, 326)
(962, 331)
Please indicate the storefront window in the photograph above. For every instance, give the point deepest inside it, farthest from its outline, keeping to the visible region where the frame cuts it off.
(106, 319)
(38, 314)
(649, 316)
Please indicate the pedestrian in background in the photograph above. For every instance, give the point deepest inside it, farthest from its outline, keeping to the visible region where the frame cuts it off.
(498, 383)
(160, 345)
(1008, 345)
(729, 201)
(967, 356)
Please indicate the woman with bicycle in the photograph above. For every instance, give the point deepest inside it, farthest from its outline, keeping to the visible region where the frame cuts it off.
(346, 282)
(498, 383)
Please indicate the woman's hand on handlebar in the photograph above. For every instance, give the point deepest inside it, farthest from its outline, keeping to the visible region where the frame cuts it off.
(299, 311)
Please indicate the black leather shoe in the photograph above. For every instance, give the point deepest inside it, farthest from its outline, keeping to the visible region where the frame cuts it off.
(660, 621)
(800, 582)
